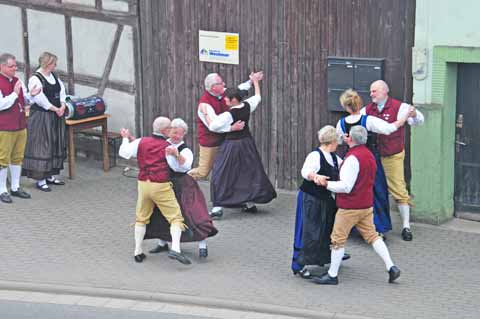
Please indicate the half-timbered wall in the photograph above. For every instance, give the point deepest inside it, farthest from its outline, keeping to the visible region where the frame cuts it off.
(289, 40)
(94, 41)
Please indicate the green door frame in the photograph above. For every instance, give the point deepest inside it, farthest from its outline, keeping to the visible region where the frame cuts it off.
(433, 144)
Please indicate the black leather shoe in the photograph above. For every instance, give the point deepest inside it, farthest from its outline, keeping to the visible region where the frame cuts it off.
(179, 257)
(216, 214)
(407, 234)
(55, 182)
(393, 274)
(203, 252)
(346, 256)
(5, 197)
(159, 249)
(20, 193)
(43, 188)
(140, 258)
(325, 279)
(305, 273)
(252, 209)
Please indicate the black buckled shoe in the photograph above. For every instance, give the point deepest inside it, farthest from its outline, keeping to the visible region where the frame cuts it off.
(305, 273)
(203, 252)
(159, 249)
(139, 258)
(407, 234)
(252, 209)
(55, 182)
(20, 193)
(325, 279)
(43, 188)
(172, 254)
(5, 198)
(216, 214)
(393, 274)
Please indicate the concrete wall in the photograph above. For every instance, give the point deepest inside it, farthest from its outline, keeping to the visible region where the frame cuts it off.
(92, 41)
(446, 33)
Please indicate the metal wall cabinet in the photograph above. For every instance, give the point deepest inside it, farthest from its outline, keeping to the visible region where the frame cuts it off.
(351, 73)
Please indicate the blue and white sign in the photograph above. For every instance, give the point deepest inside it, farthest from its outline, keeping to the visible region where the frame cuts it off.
(218, 47)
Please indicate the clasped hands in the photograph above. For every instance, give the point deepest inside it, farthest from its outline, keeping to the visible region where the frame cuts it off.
(125, 133)
(321, 180)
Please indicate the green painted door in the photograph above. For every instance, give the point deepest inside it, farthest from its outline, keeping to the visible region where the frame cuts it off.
(467, 143)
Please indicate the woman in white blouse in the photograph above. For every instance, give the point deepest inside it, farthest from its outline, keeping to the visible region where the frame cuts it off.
(46, 149)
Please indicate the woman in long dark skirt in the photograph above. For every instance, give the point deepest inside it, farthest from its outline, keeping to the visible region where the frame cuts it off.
(352, 103)
(316, 206)
(189, 196)
(46, 148)
(238, 177)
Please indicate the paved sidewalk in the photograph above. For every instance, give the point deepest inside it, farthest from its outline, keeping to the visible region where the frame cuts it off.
(79, 235)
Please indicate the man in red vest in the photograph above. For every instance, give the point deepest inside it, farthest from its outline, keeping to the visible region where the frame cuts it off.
(13, 123)
(392, 147)
(154, 186)
(354, 200)
(213, 102)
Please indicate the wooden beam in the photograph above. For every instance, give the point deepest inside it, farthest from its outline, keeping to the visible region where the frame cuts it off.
(26, 46)
(91, 81)
(98, 4)
(110, 60)
(70, 70)
(138, 79)
(75, 10)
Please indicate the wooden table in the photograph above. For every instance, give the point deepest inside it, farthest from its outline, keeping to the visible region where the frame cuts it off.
(78, 125)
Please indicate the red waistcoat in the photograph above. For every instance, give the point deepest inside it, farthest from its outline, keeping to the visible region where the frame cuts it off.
(13, 118)
(361, 196)
(395, 142)
(205, 136)
(152, 160)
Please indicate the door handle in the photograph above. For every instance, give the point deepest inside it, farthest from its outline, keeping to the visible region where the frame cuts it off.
(460, 143)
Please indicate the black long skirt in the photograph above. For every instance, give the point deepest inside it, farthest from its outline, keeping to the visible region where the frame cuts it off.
(194, 210)
(318, 217)
(46, 149)
(238, 175)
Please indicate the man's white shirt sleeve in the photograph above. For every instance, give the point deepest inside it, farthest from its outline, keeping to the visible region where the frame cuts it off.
(348, 176)
(129, 149)
(412, 121)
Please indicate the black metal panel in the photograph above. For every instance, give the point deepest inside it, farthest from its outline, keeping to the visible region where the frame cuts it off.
(351, 73)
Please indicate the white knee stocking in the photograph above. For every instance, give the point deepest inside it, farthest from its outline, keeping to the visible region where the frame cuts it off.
(139, 235)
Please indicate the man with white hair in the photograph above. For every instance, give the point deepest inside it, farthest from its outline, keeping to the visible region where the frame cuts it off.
(209, 140)
(354, 200)
(13, 127)
(392, 147)
(154, 186)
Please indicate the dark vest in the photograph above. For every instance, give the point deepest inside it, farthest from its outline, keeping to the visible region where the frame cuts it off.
(205, 136)
(152, 160)
(372, 137)
(240, 114)
(395, 142)
(322, 192)
(361, 195)
(13, 118)
(51, 91)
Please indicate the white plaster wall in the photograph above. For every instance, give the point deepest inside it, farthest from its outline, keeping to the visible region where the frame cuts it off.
(123, 65)
(84, 91)
(90, 3)
(122, 108)
(443, 23)
(47, 33)
(115, 5)
(92, 41)
(12, 41)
